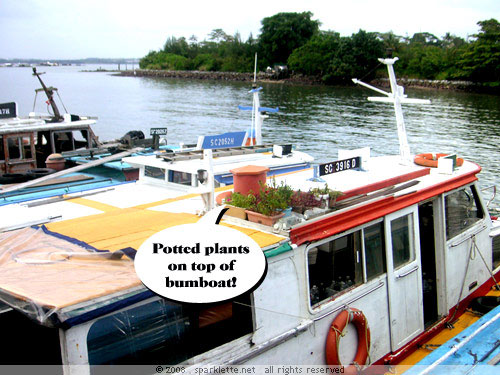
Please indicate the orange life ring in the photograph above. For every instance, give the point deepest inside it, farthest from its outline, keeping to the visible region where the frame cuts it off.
(337, 329)
(431, 160)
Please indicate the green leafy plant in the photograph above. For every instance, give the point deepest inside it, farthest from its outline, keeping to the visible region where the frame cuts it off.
(332, 194)
(242, 201)
(270, 200)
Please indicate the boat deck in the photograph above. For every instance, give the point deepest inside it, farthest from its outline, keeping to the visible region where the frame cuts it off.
(58, 280)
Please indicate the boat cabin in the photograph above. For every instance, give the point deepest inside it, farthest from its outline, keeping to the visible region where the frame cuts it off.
(179, 169)
(25, 143)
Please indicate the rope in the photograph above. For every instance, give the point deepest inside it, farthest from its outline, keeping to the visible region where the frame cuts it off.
(469, 258)
(371, 71)
(485, 264)
(34, 101)
(339, 334)
(271, 311)
(65, 110)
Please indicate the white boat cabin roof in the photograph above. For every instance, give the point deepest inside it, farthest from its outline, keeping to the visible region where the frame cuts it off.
(36, 123)
(378, 172)
(220, 164)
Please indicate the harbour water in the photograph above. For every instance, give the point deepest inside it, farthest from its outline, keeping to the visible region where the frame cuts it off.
(320, 120)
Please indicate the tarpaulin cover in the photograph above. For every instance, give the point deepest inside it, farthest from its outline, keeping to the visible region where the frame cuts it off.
(44, 271)
(40, 273)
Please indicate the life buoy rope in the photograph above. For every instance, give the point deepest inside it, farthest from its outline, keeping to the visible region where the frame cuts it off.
(338, 330)
(431, 160)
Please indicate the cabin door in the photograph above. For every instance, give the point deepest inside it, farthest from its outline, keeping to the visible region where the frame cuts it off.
(404, 276)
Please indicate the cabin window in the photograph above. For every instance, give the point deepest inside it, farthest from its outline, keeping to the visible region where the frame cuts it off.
(347, 261)
(19, 147)
(166, 332)
(80, 139)
(14, 146)
(402, 241)
(496, 251)
(2, 152)
(154, 172)
(27, 147)
(463, 210)
(63, 141)
(374, 250)
(177, 177)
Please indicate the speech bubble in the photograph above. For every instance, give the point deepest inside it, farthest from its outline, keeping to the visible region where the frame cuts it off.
(200, 263)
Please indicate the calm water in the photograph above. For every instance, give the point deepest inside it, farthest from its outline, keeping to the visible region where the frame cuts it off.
(318, 119)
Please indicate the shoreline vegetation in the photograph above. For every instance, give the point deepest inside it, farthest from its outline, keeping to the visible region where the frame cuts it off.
(291, 48)
(465, 86)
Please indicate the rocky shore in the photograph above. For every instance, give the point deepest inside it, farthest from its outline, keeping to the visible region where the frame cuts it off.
(219, 76)
(466, 86)
(300, 79)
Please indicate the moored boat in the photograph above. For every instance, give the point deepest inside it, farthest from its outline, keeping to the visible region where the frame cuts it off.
(36, 146)
(401, 253)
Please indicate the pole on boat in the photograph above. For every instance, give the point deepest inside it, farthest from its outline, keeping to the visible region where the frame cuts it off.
(397, 97)
(256, 121)
(49, 91)
(258, 112)
(207, 181)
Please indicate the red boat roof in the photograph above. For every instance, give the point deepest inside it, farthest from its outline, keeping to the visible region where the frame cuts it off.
(384, 185)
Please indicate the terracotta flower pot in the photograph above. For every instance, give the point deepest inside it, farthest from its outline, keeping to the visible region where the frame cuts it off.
(263, 219)
(238, 212)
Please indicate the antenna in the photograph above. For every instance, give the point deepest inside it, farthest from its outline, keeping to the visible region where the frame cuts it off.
(255, 71)
(397, 97)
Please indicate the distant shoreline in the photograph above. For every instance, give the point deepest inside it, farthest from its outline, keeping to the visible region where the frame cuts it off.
(464, 86)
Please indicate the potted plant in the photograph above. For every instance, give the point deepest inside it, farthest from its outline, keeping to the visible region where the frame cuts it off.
(332, 197)
(237, 204)
(267, 206)
(326, 195)
(303, 200)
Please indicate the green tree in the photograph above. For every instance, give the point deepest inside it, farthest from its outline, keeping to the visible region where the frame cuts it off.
(313, 58)
(283, 33)
(356, 57)
(480, 61)
(391, 41)
(176, 46)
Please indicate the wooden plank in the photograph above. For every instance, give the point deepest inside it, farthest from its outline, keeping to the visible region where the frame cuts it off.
(64, 180)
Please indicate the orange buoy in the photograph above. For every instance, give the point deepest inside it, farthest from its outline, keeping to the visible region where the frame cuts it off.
(337, 329)
(55, 161)
(431, 160)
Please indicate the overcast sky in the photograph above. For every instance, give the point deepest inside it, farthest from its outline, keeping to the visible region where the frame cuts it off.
(69, 29)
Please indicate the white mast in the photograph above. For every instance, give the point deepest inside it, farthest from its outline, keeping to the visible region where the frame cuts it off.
(397, 97)
(258, 112)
